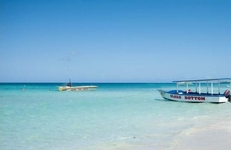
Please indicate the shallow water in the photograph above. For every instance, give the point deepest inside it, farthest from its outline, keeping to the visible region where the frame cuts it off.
(115, 116)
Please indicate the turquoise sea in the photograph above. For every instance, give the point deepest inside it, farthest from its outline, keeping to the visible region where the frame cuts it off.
(116, 116)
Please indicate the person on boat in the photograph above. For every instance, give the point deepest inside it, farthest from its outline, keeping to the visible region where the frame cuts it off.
(188, 91)
(69, 84)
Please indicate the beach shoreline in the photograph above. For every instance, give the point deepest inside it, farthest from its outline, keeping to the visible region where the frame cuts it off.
(211, 135)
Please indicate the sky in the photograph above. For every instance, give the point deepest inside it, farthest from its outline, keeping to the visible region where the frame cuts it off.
(114, 40)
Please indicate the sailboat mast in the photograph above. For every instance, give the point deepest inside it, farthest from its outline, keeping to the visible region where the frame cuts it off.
(70, 81)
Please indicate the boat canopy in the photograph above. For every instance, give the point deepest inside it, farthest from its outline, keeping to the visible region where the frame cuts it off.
(199, 81)
(206, 80)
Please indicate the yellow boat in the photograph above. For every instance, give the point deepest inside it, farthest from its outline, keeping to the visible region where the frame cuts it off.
(69, 87)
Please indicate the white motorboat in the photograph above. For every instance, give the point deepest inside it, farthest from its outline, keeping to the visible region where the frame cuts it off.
(69, 87)
(198, 95)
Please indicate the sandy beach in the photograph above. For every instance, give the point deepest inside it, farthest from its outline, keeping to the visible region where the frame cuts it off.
(204, 135)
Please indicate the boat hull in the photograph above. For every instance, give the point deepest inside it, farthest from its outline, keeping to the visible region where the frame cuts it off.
(193, 97)
(77, 88)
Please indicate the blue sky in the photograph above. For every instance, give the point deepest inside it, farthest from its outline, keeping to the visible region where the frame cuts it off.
(114, 40)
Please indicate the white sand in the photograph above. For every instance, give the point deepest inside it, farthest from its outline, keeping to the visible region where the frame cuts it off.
(198, 137)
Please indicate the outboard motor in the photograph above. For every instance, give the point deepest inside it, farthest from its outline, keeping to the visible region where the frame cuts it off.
(228, 95)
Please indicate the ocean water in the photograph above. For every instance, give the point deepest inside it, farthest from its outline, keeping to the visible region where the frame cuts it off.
(116, 116)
